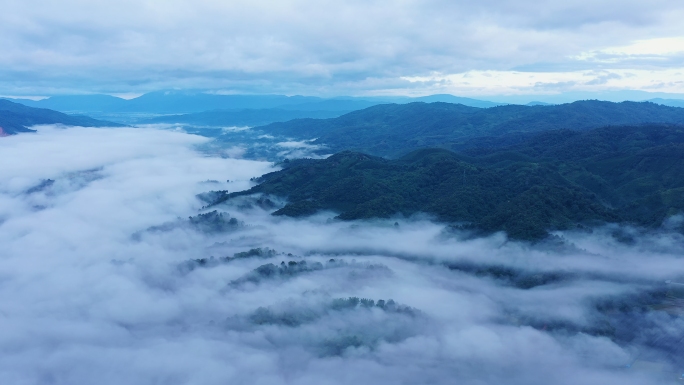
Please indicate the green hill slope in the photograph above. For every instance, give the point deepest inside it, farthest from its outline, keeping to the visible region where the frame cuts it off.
(553, 180)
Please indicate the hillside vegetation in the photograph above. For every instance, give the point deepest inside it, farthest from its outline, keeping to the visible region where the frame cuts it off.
(552, 180)
(391, 130)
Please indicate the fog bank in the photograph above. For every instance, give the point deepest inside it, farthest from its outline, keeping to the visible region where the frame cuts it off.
(105, 279)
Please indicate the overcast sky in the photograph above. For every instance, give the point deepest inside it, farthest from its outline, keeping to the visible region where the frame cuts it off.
(321, 47)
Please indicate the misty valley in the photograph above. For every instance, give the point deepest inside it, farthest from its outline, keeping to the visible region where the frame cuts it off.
(294, 240)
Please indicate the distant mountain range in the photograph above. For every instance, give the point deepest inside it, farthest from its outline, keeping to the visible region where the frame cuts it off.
(395, 129)
(185, 102)
(16, 118)
(211, 109)
(552, 180)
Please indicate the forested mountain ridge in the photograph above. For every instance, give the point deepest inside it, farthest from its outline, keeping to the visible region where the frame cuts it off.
(15, 118)
(553, 180)
(392, 130)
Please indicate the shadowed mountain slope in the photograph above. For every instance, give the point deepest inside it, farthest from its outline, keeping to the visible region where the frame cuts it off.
(15, 118)
(553, 180)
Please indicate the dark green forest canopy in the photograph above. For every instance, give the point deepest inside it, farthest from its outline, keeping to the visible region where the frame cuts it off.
(391, 130)
(15, 118)
(553, 180)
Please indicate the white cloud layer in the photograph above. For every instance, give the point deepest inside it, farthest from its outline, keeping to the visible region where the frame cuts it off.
(540, 83)
(88, 295)
(324, 47)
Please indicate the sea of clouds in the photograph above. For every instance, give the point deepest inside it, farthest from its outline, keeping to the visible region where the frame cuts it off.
(105, 279)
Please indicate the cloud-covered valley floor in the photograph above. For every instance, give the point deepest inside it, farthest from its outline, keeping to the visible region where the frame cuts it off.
(105, 278)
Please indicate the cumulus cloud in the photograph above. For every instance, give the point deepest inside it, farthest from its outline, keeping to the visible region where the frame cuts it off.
(314, 47)
(103, 278)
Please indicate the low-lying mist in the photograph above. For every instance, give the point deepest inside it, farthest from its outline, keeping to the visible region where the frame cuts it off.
(111, 273)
